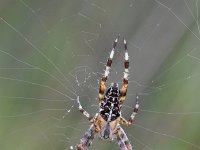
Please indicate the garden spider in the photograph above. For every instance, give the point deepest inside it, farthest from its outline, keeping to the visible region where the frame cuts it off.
(106, 123)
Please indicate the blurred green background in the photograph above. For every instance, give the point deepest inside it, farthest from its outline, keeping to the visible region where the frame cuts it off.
(53, 51)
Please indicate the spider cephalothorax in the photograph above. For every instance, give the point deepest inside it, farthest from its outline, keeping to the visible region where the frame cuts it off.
(106, 123)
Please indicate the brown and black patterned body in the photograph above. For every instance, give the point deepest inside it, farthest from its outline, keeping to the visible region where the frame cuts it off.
(107, 122)
(110, 108)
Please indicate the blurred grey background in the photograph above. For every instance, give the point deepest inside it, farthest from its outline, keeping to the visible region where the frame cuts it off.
(53, 51)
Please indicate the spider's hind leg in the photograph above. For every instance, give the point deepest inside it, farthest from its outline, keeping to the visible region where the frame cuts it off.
(125, 78)
(107, 71)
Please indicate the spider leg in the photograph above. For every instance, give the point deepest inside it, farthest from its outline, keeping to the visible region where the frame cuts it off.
(125, 78)
(107, 71)
(84, 112)
(123, 140)
(87, 139)
(135, 110)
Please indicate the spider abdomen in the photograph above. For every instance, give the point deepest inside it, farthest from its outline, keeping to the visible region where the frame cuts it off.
(110, 107)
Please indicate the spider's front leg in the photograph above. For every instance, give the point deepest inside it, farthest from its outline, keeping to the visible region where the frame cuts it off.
(135, 110)
(87, 138)
(123, 140)
(125, 78)
(106, 73)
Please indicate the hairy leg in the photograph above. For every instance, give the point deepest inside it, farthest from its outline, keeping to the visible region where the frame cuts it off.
(132, 117)
(125, 78)
(87, 139)
(107, 71)
(123, 140)
(83, 111)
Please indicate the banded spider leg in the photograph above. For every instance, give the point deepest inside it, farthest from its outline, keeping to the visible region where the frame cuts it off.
(107, 71)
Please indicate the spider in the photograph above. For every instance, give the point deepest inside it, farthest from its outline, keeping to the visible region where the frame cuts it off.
(107, 122)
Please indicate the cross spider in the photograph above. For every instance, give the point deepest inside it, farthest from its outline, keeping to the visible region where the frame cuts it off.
(106, 123)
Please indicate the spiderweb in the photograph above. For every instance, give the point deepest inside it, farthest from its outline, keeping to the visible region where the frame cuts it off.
(53, 51)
